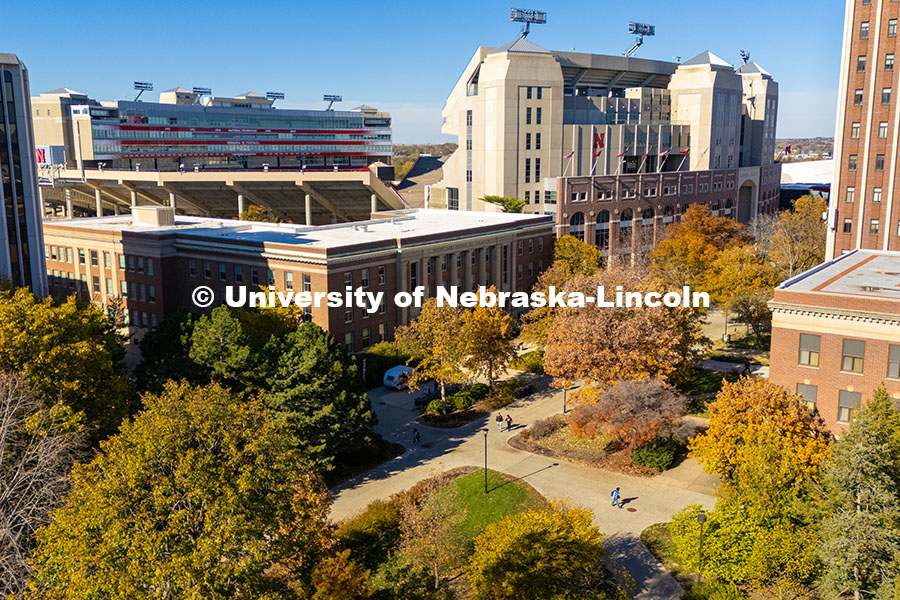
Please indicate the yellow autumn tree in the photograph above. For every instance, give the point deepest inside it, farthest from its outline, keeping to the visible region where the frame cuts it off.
(488, 332)
(743, 412)
(798, 238)
(555, 553)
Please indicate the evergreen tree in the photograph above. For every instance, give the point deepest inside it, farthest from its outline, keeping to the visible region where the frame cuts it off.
(315, 386)
(218, 343)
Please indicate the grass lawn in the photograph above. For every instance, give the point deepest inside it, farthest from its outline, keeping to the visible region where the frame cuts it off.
(701, 388)
(506, 495)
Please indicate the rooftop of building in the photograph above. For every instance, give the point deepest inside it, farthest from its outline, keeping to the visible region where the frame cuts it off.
(866, 273)
(391, 226)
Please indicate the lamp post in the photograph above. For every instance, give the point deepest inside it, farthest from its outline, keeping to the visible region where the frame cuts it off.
(565, 397)
(485, 432)
(701, 518)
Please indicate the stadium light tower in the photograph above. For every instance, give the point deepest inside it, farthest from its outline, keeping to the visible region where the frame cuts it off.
(201, 91)
(273, 96)
(331, 99)
(141, 87)
(640, 30)
(527, 16)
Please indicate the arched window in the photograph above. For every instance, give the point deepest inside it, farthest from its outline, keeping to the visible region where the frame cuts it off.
(625, 218)
(576, 226)
(647, 216)
(602, 231)
(668, 214)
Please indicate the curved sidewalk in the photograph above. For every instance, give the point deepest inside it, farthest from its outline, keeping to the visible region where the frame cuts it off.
(647, 500)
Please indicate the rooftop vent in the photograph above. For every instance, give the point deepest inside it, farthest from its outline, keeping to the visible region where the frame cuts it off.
(153, 216)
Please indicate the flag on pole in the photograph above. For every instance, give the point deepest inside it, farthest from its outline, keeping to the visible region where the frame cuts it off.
(664, 154)
(597, 153)
(570, 154)
(685, 151)
(620, 154)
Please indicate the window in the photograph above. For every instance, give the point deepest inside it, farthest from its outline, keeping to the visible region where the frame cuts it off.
(380, 275)
(864, 30)
(288, 281)
(348, 313)
(576, 226)
(207, 270)
(537, 169)
(222, 275)
(444, 262)
(364, 278)
(271, 277)
(537, 116)
(527, 170)
(131, 263)
(893, 370)
(143, 292)
(123, 289)
(527, 197)
(876, 195)
(892, 28)
(879, 162)
(140, 264)
(238, 274)
(348, 341)
(192, 267)
(94, 262)
(540, 244)
(528, 116)
(874, 226)
(854, 130)
(861, 64)
(531, 246)
(885, 95)
(809, 349)
(889, 61)
(414, 275)
(469, 175)
(851, 195)
(528, 93)
(306, 285)
(882, 129)
(348, 279)
(537, 140)
(149, 266)
(852, 356)
(107, 260)
(381, 329)
(848, 225)
(809, 394)
(539, 94)
(96, 282)
(151, 293)
(468, 118)
(254, 276)
(857, 98)
(122, 262)
(109, 287)
(459, 261)
(81, 256)
(848, 405)
(520, 248)
(365, 338)
(851, 162)
(528, 141)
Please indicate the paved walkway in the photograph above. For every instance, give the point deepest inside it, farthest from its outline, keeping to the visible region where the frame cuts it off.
(647, 500)
(733, 367)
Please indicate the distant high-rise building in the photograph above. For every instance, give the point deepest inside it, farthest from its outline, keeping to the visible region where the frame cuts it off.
(864, 211)
(21, 236)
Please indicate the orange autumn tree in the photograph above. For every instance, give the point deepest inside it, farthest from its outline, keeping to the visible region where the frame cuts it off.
(743, 410)
(607, 344)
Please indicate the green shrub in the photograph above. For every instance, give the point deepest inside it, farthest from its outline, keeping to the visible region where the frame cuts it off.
(714, 590)
(657, 454)
(372, 535)
(532, 361)
(505, 392)
(379, 358)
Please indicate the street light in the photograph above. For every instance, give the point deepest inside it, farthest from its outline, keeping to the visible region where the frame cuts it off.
(485, 432)
(701, 518)
(565, 397)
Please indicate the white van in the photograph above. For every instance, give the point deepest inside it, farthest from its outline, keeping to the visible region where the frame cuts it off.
(398, 377)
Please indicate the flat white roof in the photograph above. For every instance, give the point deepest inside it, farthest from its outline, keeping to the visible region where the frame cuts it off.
(873, 273)
(402, 224)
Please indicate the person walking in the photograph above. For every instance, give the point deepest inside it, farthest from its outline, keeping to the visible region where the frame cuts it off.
(615, 498)
(416, 438)
(508, 422)
(499, 420)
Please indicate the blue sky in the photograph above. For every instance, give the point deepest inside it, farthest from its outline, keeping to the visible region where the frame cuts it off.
(404, 56)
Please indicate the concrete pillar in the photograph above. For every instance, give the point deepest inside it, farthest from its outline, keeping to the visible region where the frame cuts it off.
(98, 202)
(116, 209)
(133, 198)
(172, 199)
(240, 204)
(481, 266)
(69, 214)
(374, 203)
(454, 269)
(308, 209)
(467, 269)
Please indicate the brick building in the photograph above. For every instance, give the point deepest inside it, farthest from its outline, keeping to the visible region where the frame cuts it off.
(152, 260)
(864, 211)
(836, 333)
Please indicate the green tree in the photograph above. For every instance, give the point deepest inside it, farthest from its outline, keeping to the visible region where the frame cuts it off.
(202, 495)
(860, 528)
(339, 578)
(69, 353)
(507, 205)
(580, 258)
(751, 307)
(488, 331)
(435, 337)
(166, 354)
(315, 387)
(219, 344)
(535, 555)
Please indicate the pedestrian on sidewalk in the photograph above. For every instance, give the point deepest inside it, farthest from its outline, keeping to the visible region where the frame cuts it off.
(615, 498)
(508, 422)
(416, 438)
(499, 420)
